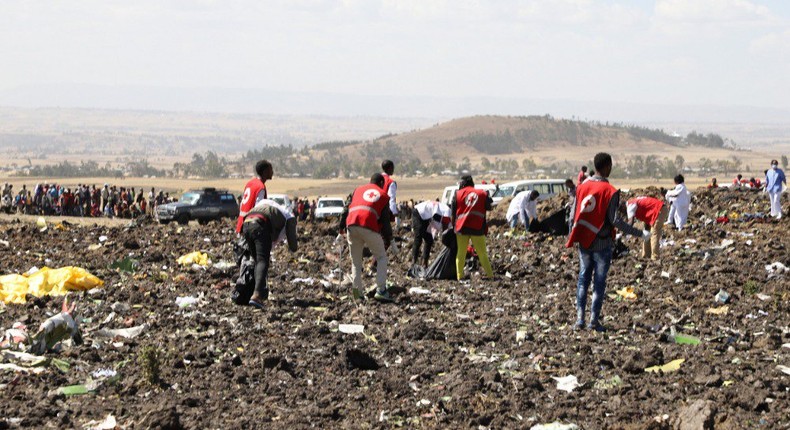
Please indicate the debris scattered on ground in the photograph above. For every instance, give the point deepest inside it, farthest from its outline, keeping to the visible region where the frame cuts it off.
(351, 328)
(45, 282)
(672, 366)
(196, 257)
(566, 383)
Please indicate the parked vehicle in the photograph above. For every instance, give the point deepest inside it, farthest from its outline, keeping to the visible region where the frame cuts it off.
(204, 205)
(281, 199)
(328, 207)
(447, 194)
(546, 187)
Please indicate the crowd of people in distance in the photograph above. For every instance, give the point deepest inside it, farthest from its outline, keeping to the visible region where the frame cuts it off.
(83, 200)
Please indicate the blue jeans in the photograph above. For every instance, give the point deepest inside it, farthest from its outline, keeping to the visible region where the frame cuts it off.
(598, 262)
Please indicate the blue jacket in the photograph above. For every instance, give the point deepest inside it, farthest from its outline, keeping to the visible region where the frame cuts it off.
(774, 179)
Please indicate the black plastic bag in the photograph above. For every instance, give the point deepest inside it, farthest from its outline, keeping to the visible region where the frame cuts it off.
(245, 283)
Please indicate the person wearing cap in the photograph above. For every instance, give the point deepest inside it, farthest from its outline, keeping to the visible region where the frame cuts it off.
(774, 178)
(595, 222)
(266, 224)
(366, 224)
(468, 207)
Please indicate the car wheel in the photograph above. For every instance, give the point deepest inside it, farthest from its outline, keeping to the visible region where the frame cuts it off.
(183, 219)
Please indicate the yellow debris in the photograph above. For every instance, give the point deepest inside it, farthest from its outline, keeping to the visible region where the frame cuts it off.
(721, 310)
(666, 368)
(46, 282)
(196, 257)
(627, 293)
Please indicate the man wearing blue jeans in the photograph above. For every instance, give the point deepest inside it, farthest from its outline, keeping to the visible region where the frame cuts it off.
(595, 221)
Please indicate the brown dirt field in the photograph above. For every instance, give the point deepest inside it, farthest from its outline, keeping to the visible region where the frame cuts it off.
(477, 354)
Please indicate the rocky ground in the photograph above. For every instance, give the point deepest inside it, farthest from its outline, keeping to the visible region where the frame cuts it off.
(477, 354)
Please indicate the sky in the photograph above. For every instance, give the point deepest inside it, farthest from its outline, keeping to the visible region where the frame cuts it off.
(679, 52)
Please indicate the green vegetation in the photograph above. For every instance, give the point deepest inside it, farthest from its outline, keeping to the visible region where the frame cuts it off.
(150, 360)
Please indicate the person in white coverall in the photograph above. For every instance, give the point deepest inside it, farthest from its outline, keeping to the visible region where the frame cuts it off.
(680, 198)
(523, 208)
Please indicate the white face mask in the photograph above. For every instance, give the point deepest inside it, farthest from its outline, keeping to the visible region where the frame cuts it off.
(774, 166)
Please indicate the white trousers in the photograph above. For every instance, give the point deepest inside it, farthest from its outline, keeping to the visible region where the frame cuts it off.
(776, 203)
(358, 239)
(678, 215)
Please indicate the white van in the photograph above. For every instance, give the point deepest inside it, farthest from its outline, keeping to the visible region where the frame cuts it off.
(546, 187)
(447, 195)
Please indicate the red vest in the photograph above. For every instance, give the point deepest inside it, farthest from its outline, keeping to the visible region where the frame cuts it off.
(470, 208)
(367, 203)
(592, 203)
(387, 181)
(251, 190)
(647, 209)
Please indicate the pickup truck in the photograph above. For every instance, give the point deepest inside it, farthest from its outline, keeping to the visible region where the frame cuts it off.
(207, 204)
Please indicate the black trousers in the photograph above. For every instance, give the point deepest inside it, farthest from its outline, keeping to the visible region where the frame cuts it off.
(420, 228)
(259, 239)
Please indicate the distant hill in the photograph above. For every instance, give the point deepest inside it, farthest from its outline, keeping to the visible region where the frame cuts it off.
(516, 137)
(517, 146)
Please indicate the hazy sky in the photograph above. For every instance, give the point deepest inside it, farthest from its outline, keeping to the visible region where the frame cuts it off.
(713, 52)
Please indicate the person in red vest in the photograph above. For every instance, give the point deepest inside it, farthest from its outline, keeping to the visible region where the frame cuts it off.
(254, 191)
(595, 220)
(582, 175)
(391, 188)
(366, 224)
(469, 206)
(653, 213)
(713, 183)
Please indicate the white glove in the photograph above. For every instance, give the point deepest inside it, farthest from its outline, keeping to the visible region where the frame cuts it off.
(645, 235)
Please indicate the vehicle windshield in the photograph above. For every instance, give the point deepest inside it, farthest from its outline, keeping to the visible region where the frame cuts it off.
(504, 192)
(279, 200)
(330, 204)
(189, 198)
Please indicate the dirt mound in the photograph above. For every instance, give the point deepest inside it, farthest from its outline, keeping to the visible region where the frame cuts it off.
(445, 354)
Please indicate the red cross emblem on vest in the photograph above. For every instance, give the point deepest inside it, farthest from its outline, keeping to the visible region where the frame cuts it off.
(371, 196)
(471, 199)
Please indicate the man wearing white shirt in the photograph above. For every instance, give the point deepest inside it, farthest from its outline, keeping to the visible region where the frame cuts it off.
(681, 201)
(391, 188)
(524, 208)
(427, 217)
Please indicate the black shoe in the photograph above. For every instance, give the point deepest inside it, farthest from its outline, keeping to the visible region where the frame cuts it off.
(597, 327)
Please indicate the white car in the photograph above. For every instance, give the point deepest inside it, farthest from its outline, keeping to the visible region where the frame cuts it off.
(329, 207)
(281, 199)
(546, 187)
(447, 194)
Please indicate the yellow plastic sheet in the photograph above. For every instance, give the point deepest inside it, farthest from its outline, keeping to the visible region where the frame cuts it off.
(52, 282)
(627, 293)
(672, 366)
(196, 257)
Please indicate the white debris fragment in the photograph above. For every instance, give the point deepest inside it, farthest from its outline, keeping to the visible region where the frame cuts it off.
(351, 328)
(566, 383)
